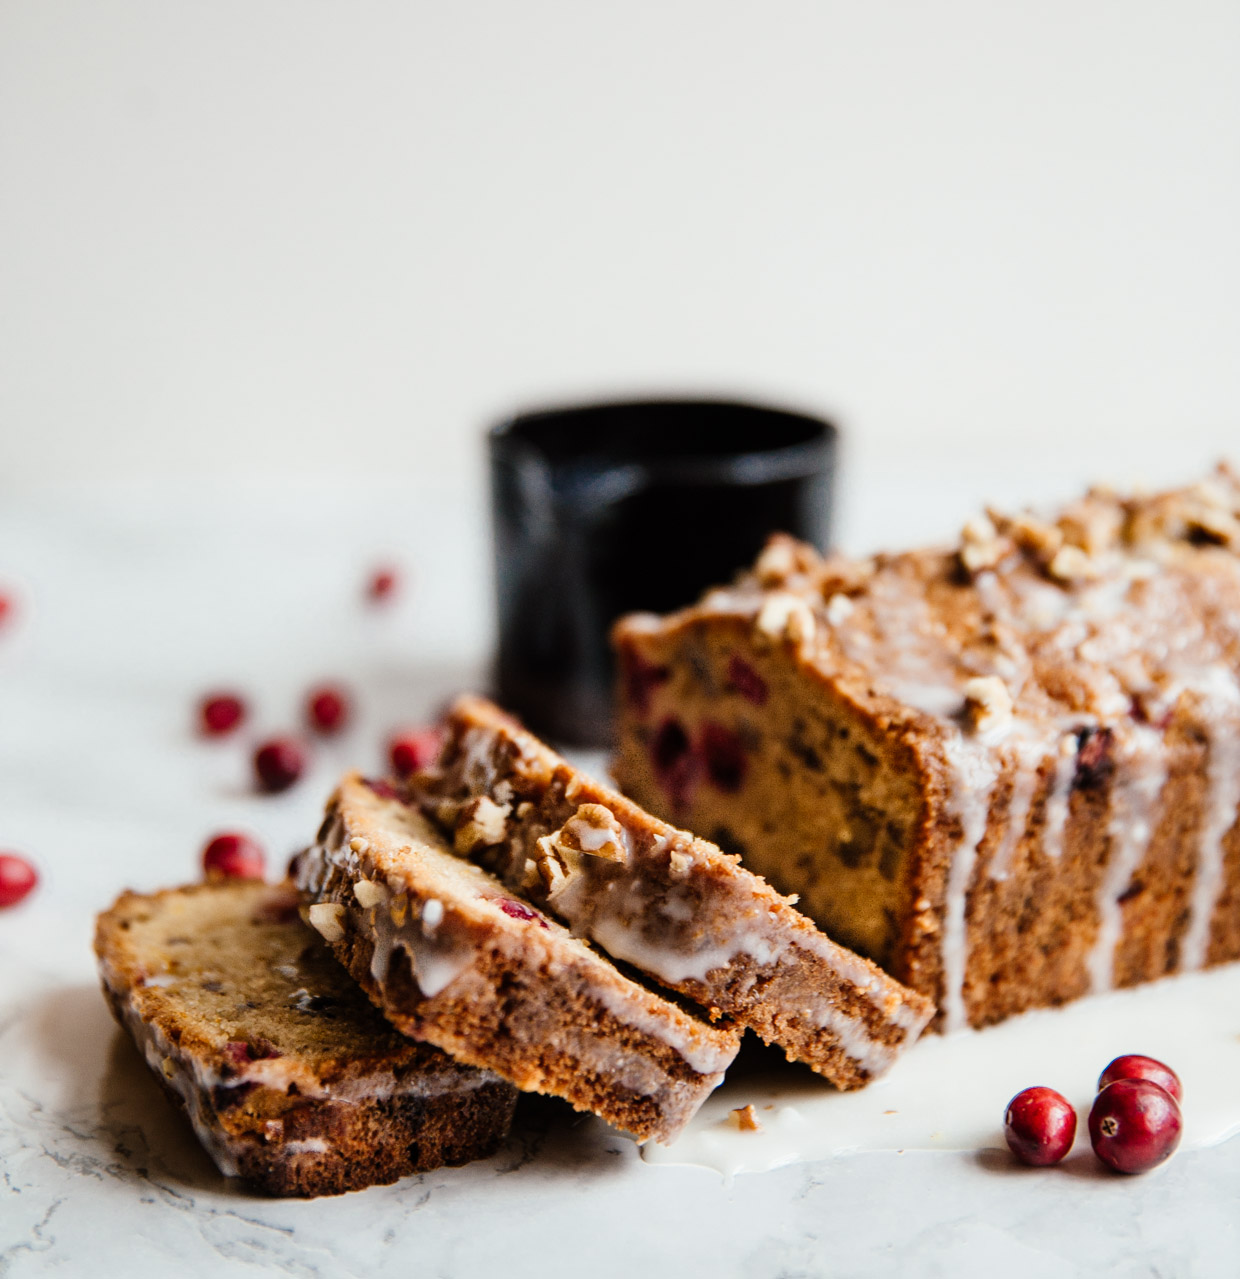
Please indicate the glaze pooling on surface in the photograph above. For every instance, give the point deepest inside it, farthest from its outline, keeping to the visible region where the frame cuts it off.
(949, 1092)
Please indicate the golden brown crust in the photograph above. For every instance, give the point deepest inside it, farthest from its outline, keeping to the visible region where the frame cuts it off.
(1035, 734)
(290, 1078)
(452, 956)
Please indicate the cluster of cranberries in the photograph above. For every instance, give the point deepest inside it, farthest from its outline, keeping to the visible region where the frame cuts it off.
(1134, 1123)
(280, 761)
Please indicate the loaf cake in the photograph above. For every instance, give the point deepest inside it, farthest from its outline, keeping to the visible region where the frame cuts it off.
(673, 906)
(1006, 770)
(452, 956)
(292, 1081)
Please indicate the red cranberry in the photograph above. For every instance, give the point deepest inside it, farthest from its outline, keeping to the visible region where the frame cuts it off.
(414, 750)
(724, 753)
(1040, 1126)
(382, 584)
(519, 910)
(1134, 1125)
(220, 713)
(384, 789)
(278, 764)
(7, 609)
(1094, 758)
(241, 1051)
(17, 879)
(746, 681)
(676, 764)
(233, 856)
(641, 678)
(1134, 1066)
(328, 709)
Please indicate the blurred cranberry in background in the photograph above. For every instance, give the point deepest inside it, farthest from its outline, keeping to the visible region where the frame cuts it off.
(233, 855)
(414, 749)
(220, 713)
(278, 764)
(328, 709)
(17, 878)
(382, 584)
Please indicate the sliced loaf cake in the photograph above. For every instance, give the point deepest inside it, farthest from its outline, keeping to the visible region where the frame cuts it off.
(674, 906)
(292, 1081)
(453, 956)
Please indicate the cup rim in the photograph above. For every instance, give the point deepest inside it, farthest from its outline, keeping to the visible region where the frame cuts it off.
(751, 464)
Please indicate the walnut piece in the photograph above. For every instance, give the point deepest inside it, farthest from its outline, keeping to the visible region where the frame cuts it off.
(981, 547)
(369, 894)
(786, 616)
(593, 830)
(839, 609)
(1071, 564)
(745, 1119)
(987, 704)
(326, 917)
(481, 823)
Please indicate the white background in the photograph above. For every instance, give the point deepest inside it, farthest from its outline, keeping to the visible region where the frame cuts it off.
(266, 272)
(269, 239)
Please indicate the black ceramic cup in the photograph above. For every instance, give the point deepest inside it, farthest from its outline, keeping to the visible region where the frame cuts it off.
(615, 508)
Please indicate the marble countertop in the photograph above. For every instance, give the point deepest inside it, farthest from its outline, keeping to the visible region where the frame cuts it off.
(127, 613)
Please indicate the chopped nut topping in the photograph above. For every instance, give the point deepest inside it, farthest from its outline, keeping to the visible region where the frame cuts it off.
(359, 845)
(680, 863)
(981, 547)
(776, 563)
(988, 704)
(839, 609)
(368, 893)
(550, 864)
(398, 909)
(593, 830)
(326, 917)
(483, 823)
(1213, 525)
(524, 809)
(745, 1119)
(1071, 564)
(1093, 524)
(169, 1067)
(785, 616)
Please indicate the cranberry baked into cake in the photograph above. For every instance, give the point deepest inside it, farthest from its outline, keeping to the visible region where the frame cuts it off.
(292, 1081)
(453, 956)
(1007, 771)
(673, 906)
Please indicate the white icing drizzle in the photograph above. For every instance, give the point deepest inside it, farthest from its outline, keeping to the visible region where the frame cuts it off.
(307, 1146)
(974, 773)
(1220, 701)
(618, 915)
(1140, 771)
(1024, 786)
(436, 964)
(1059, 798)
(874, 1056)
(700, 1054)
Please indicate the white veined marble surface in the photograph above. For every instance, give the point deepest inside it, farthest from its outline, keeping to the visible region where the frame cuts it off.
(128, 611)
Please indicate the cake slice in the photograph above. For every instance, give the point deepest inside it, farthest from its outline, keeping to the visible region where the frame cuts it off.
(292, 1081)
(1008, 770)
(450, 955)
(675, 907)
